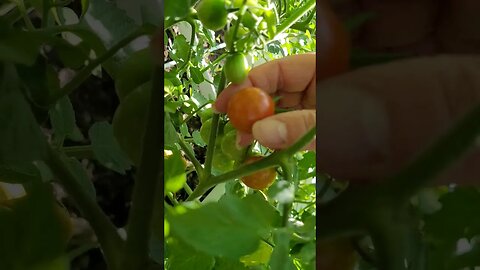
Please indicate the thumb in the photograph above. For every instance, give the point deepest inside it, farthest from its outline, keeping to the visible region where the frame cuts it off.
(284, 129)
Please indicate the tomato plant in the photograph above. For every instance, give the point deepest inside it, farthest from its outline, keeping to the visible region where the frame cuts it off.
(130, 120)
(248, 106)
(67, 178)
(219, 184)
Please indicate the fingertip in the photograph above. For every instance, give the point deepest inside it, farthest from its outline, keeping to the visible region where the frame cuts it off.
(243, 139)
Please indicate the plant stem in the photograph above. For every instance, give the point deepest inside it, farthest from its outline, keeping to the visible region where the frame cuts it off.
(296, 16)
(85, 72)
(105, 231)
(147, 182)
(80, 152)
(247, 169)
(438, 157)
(213, 133)
(190, 155)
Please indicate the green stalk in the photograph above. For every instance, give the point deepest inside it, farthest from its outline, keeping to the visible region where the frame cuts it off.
(147, 183)
(82, 151)
(267, 162)
(213, 133)
(105, 231)
(296, 16)
(85, 72)
(449, 148)
(190, 155)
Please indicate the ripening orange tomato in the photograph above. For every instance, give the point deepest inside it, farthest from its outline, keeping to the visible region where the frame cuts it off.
(247, 106)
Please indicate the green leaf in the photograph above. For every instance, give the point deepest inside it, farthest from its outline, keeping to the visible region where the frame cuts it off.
(85, 5)
(262, 209)
(179, 260)
(228, 264)
(15, 49)
(458, 216)
(180, 50)
(30, 229)
(175, 173)
(110, 23)
(22, 141)
(62, 117)
(106, 148)
(13, 175)
(41, 82)
(228, 221)
(177, 9)
(197, 139)
(197, 75)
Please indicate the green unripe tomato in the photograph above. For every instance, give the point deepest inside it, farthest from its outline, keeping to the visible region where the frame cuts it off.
(229, 146)
(221, 162)
(133, 72)
(236, 68)
(130, 121)
(212, 14)
(205, 130)
(228, 127)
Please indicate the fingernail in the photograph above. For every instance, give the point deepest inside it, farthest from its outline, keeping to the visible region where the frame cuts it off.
(271, 133)
(352, 125)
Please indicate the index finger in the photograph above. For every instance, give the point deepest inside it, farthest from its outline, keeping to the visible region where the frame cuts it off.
(289, 75)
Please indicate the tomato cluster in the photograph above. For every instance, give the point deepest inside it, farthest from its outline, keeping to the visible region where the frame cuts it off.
(255, 21)
(227, 152)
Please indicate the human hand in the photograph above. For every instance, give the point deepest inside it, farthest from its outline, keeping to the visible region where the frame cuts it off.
(374, 120)
(293, 79)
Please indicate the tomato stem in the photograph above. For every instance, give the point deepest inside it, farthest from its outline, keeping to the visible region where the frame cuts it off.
(147, 185)
(296, 16)
(213, 133)
(247, 169)
(105, 231)
(191, 156)
(86, 71)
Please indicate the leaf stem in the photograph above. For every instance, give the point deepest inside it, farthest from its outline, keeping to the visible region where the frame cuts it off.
(86, 71)
(190, 155)
(296, 16)
(105, 231)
